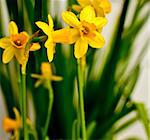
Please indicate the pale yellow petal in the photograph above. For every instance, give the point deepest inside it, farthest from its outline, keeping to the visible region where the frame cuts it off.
(17, 115)
(70, 18)
(97, 42)
(84, 3)
(50, 22)
(99, 22)
(56, 78)
(13, 29)
(19, 54)
(37, 76)
(81, 47)
(50, 52)
(87, 14)
(44, 27)
(5, 42)
(35, 47)
(8, 54)
(38, 83)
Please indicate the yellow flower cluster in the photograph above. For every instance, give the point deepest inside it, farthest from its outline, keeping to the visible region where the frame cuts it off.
(46, 74)
(14, 45)
(101, 7)
(84, 29)
(13, 125)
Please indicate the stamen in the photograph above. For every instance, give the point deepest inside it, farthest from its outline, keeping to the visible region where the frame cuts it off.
(18, 42)
(85, 30)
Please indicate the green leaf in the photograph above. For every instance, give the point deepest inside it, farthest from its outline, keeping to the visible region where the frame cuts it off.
(125, 125)
(143, 115)
(74, 130)
(90, 129)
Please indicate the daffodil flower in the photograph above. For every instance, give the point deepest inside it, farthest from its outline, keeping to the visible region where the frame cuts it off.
(14, 45)
(46, 75)
(14, 125)
(85, 31)
(101, 7)
(58, 36)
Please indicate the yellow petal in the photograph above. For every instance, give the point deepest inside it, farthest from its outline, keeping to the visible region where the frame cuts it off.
(99, 22)
(87, 14)
(13, 29)
(26, 34)
(84, 3)
(19, 54)
(8, 54)
(81, 47)
(97, 42)
(49, 42)
(10, 124)
(46, 70)
(99, 11)
(18, 117)
(74, 35)
(5, 42)
(35, 47)
(44, 27)
(50, 22)
(56, 78)
(65, 35)
(50, 49)
(70, 18)
(106, 6)
(50, 52)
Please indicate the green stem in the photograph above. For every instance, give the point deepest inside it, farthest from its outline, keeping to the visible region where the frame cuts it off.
(51, 97)
(78, 123)
(19, 85)
(24, 106)
(81, 99)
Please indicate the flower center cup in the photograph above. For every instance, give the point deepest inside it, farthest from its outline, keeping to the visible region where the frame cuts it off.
(19, 40)
(87, 29)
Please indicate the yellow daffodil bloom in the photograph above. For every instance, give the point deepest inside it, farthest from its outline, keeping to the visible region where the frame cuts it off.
(58, 36)
(46, 74)
(101, 7)
(14, 45)
(85, 31)
(14, 125)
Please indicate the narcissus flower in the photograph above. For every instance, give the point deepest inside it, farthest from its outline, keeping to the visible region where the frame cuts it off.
(14, 125)
(101, 7)
(85, 31)
(58, 36)
(46, 75)
(14, 45)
